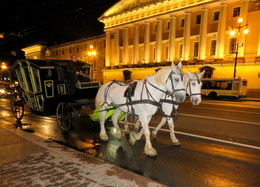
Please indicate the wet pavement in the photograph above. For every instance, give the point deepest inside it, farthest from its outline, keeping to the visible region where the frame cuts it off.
(28, 160)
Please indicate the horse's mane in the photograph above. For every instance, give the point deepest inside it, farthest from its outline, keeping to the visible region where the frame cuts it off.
(162, 75)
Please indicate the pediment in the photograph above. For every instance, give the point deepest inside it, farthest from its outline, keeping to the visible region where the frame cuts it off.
(125, 5)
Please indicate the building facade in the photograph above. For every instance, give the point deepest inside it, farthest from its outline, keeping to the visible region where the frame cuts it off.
(142, 35)
(89, 50)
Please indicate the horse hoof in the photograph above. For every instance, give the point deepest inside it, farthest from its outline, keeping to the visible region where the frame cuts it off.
(154, 134)
(176, 144)
(132, 139)
(104, 137)
(151, 152)
(126, 131)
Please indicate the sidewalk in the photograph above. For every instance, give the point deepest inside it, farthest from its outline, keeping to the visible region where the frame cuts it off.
(28, 160)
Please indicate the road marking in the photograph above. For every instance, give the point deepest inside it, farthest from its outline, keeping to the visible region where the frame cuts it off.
(222, 119)
(199, 107)
(213, 139)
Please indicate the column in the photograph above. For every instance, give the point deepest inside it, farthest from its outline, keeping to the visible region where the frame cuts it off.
(158, 44)
(126, 44)
(116, 48)
(203, 34)
(172, 36)
(186, 36)
(244, 15)
(221, 31)
(108, 47)
(136, 45)
(147, 43)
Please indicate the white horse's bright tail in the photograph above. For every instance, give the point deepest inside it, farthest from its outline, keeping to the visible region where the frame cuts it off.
(100, 97)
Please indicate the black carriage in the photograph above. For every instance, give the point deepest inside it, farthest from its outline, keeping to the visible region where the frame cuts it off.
(49, 87)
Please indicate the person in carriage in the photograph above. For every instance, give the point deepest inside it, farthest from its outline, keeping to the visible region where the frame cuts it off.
(76, 68)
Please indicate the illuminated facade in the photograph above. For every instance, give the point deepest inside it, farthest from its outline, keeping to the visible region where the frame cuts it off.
(89, 50)
(144, 34)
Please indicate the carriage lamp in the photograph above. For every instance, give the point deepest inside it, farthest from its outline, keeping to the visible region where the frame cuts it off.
(236, 33)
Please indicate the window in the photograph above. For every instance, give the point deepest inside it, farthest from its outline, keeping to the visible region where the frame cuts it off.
(236, 12)
(213, 47)
(155, 28)
(167, 51)
(168, 25)
(62, 51)
(198, 19)
(196, 49)
(180, 50)
(70, 50)
(57, 53)
(232, 45)
(216, 16)
(182, 22)
(77, 48)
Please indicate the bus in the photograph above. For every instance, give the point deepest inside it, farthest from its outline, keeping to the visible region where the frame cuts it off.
(215, 88)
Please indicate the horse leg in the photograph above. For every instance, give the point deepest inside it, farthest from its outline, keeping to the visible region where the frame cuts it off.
(175, 141)
(118, 133)
(135, 136)
(149, 150)
(161, 124)
(126, 126)
(103, 133)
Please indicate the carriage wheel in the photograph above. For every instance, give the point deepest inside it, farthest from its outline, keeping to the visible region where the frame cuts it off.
(63, 115)
(17, 104)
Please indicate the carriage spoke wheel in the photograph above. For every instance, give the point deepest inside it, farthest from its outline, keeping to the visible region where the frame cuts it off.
(63, 115)
(17, 104)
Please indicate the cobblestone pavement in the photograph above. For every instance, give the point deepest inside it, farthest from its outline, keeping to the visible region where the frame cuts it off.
(28, 160)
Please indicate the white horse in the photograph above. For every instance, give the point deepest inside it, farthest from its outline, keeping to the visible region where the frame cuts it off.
(144, 103)
(193, 88)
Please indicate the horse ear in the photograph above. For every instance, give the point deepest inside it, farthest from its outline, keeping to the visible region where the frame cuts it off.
(180, 65)
(190, 74)
(201, 74)
(173, 65)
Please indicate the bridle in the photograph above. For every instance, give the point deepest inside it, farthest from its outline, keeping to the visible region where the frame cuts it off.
(189, 85)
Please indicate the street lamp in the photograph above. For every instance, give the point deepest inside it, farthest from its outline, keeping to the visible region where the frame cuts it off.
(233, 33)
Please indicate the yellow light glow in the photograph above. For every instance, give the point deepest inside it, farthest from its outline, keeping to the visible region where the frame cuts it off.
(246, 31)
(240, 20)
(94, 52)
(91, 46)
(35, 57)
(232, 33)
(89, 53)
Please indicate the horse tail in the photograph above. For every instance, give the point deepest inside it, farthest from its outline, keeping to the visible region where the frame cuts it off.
(102, 94)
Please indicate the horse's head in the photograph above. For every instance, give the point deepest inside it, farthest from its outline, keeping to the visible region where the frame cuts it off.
(175, 83)
(193, 88)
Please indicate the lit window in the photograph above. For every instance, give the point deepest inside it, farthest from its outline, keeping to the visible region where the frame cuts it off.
(232, 45)
(213, 47)
(216, 16)
(180, 50)
(196, 49)
(236, 12)
(198, 19)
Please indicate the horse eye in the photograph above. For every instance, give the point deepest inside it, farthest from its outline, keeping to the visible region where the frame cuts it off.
(193, 84)
(176, 79)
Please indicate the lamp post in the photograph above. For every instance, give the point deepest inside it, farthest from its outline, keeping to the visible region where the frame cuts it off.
(237, 33)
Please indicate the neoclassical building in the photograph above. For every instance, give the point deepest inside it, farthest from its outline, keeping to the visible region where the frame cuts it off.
(142, 35)
(89, 50)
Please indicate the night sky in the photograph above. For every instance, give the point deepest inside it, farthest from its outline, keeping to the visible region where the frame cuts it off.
(53, 21)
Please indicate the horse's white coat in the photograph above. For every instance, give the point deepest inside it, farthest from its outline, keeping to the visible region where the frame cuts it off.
(113, 94)
(193, 88)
